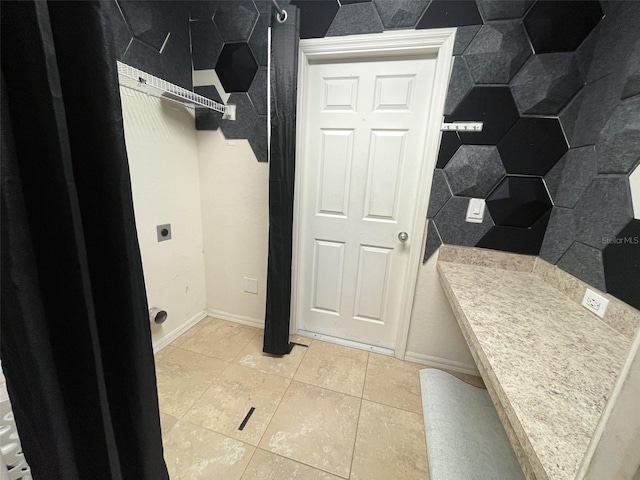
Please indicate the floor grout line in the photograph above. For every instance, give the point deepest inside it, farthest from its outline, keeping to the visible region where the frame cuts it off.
(355, 437)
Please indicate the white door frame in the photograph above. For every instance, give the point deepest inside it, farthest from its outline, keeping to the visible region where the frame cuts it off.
(402, 43)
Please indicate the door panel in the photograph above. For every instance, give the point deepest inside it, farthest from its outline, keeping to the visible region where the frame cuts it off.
(364, 136)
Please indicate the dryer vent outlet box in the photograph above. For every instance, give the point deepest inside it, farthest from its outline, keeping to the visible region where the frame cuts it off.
(164, 232)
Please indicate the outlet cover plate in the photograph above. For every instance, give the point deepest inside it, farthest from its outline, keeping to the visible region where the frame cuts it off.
(475, 211)
(164, 232)
(595, 302)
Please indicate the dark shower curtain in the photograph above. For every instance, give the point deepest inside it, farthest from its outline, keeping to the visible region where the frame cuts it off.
(284, 77)
(75, 339)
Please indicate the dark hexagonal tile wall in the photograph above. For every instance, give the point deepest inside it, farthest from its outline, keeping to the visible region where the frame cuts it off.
(449, 13)
(560, 25)
(492, 105)
(518, 202)
(316, 16)
(570, 177)
(449, 145)
(246, 117)
(619, 143)
(546, 83)
(151, 21)
(121, 33)
(497, 52)
(400, 13)
(259, 40)
(460, 85)
(357, 18)
(561, 231)
(454, 229)
(258, 139)
(236, 67)
(526, 241)
(474, 170)
(464, 36)
(533, 146)
(440, 193)
(584, 262)
(433, 241)
(236, 19)
(621, 259)
(258, 91)
(206, 44)
(603, 209)
(503, 9)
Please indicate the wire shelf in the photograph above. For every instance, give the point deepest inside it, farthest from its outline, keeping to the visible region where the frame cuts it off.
(136, 79)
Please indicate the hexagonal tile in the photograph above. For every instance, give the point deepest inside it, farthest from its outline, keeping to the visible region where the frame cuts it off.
(400, 13)
(619, 143)
(357, 18)
(518, 202)
(492, 105)
(561, 26)
(453, 228)
(449, 13)
(246, 117)
(206, 44)
(561, 230)
(121, 33)
(533, 146)
(148, 21)
(622, 264)
(236, 19)
(474, 170)
(497, 52)
(433, 241)
(258, 139)
(569, 178)
(316, 16)
(632, 85)
(526, 241)
(202, 9)
(503, 9)
(448, 146)
(440, 193)
(602, 211)
(258, 91)
(634, 183)
(546, 83)
(259, 41)
(584, 262)
(589, 110)
(236, 67)
(613, 43)
(459, 85)
(464, 36)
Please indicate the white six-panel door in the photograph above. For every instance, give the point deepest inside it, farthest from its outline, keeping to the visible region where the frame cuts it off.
(365, 126)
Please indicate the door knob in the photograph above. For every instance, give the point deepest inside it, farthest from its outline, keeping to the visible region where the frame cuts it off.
(403, 236)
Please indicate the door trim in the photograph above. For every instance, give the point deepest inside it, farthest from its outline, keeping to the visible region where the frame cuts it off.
(403, 43)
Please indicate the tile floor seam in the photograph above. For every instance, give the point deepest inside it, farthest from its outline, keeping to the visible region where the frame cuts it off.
(274, 414)
(248, 463)
(355, 438)
(237, 358)
(205, 390)
(303, 463)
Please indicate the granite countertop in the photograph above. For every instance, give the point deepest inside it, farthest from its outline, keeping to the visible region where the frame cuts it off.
(549, 365)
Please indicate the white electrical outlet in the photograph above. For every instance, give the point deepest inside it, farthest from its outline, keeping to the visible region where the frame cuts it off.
(250, 285)
(594, 302)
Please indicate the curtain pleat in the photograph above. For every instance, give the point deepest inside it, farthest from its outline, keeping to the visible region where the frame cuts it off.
(76, 344)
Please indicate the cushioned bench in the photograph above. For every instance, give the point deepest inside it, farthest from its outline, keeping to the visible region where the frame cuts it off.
(465, 438)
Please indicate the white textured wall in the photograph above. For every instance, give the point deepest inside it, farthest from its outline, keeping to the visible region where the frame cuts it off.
(235, 222)
(163, 159)
(434, 335)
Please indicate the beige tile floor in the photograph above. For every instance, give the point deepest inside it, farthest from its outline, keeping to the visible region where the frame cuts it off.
(324, 412)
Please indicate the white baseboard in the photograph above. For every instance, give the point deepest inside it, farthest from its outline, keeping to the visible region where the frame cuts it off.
(443, 363)
(170, 337)
(232, 317)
